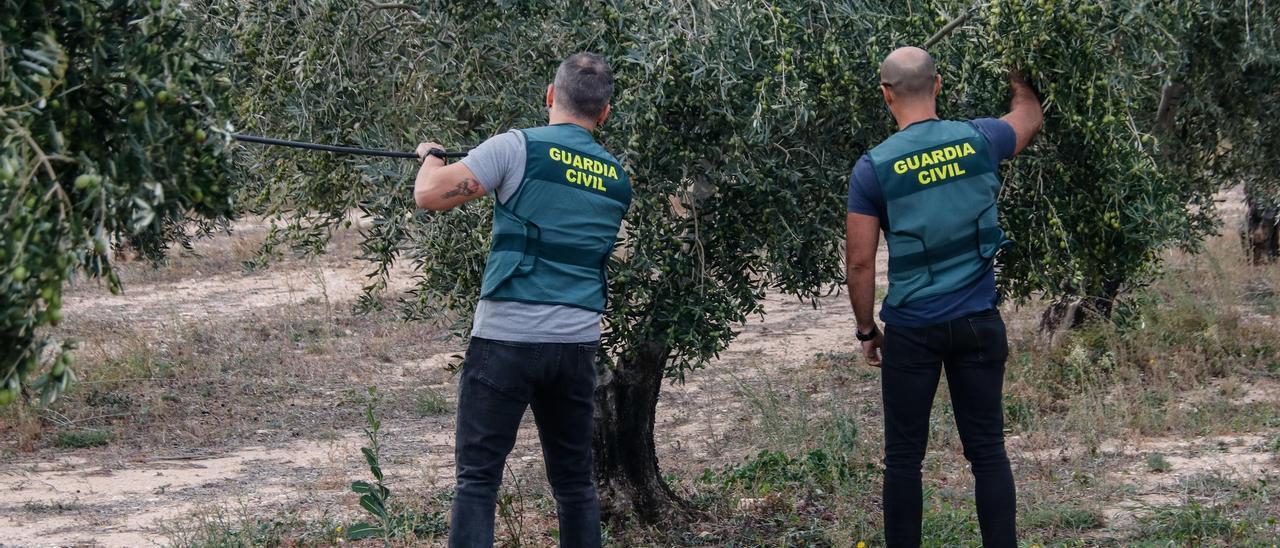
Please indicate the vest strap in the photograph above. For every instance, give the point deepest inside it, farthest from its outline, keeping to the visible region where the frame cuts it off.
(947, 251)
(563, 254)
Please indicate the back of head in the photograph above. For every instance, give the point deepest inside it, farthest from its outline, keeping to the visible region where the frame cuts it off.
(910, 73)
(584, 85)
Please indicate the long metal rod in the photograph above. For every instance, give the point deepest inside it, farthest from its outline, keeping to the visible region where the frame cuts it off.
(342, 150)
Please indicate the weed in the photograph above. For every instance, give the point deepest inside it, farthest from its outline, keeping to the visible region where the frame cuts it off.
(79, 439)
(389, 522)
(1018, 413)
(772, 471)
(1192, 524)
(431, 403)
(1156, 462)
(1063, 517)
(950, 524)
(511, 510)
(222, 528)
(54, 507)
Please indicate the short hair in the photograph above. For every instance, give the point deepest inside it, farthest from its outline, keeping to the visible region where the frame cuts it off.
(909, 72)
(584, 84)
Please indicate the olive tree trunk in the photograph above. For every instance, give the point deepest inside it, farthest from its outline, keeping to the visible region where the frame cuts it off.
(1067, 314)
(1262, 233)
(626, 462)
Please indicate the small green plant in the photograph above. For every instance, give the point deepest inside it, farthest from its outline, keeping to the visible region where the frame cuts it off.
(79, 439)
(1063, 517)
(373, 496)
(949, 523)
(511, 509)
(774, 471)
(1193, 524)
(1157, 463)
(431, 403)
(389, 522)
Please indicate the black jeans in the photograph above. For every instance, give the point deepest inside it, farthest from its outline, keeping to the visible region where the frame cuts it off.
(499, 380)
(973, 350)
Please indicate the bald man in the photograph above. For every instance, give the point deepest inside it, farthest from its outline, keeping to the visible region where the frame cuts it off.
(932, 189)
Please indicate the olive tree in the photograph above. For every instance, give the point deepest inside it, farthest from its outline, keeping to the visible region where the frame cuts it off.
(1140, 99)
(105, 121)
(738, 122)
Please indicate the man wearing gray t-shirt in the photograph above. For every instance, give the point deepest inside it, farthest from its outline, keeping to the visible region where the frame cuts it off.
(559, 199)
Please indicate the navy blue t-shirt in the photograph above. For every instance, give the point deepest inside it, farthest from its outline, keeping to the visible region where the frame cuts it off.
(867, 198)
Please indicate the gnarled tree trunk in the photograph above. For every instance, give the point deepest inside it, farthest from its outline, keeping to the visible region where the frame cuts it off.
(1262, 233)
(626, 462)
(1067, 314)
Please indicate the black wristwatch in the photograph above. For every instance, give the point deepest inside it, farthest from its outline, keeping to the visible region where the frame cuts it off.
(875, 332)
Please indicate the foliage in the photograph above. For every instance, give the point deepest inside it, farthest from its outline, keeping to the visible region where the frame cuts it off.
(1112, 180)
(738, 122)
(80, 439)
(389, 522)
(431, 403)
(373, 495)
(106, 124)
(772, 471)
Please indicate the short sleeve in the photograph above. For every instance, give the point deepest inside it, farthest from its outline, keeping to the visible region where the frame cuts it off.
(494, 161)
(865, 195)
(1000, 136)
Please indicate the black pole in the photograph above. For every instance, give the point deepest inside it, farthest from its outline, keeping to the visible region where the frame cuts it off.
(342, 150)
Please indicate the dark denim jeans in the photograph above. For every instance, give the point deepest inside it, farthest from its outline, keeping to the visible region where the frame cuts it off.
(499, 380)
(973, 350)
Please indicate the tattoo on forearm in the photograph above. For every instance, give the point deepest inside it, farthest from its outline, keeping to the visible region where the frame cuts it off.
(466, 187)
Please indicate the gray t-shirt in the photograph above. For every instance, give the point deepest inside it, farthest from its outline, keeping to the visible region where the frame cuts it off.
(498, 165)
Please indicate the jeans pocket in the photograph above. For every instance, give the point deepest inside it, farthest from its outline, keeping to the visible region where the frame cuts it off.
(990, 337)
(504, 365)
(589, 362)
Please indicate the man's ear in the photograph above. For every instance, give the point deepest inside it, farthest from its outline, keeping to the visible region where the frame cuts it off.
(604, 115)
(888, 94)
(937, 84)
(551, 95)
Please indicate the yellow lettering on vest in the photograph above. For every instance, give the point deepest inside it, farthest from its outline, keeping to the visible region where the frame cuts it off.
(938, 156)
(593, 182)
(586, 165)
(968, 149)
(900, 167)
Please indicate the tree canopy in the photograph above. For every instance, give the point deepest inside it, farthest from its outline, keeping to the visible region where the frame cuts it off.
(105, 115)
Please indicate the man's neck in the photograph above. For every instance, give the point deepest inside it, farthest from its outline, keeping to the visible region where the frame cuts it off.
(561, 118)
(910, 116)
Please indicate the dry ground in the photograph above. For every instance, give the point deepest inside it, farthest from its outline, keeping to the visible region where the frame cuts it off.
(215, 396)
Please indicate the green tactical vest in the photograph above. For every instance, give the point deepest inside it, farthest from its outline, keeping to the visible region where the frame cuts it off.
(552, 239)
(940, 188)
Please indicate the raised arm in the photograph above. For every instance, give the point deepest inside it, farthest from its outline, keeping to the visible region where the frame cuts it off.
(1025, 114)
(441, 187)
